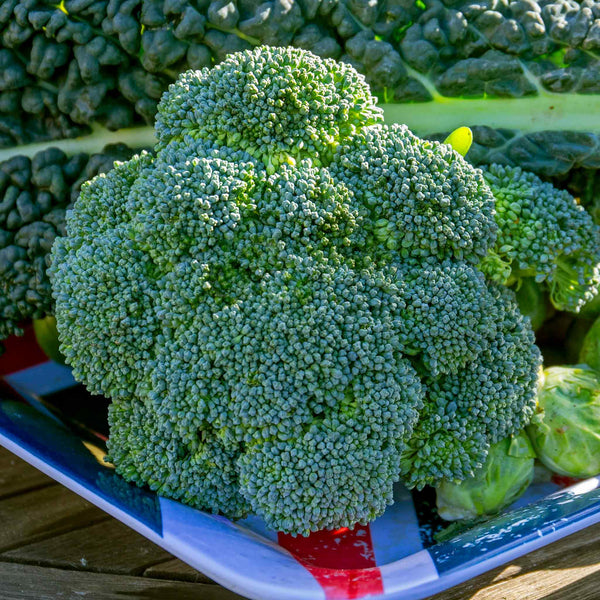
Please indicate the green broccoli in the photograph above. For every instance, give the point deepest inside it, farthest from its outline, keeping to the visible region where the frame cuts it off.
(312, 108)
(543, 233)
(418, 199)
(275, 335)
(467, 408)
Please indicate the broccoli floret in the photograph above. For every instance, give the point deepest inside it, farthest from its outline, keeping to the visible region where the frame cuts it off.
(545, 234)
(449, 314)
(234, 296)
(98, 212)
(320, 395)
(419, 198)
(308, 109)
(198, 470)
(467, 409)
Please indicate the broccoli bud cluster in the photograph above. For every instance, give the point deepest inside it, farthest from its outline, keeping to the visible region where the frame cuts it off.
(545, 234)
(290, 320)
(307, 110)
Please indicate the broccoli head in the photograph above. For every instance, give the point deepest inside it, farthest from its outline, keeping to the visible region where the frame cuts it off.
(545, 234)
(307, 109)
(269, 344)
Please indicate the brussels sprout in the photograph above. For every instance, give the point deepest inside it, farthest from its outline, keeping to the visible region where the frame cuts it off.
(565, 432)
(590, 349)
(506, 474)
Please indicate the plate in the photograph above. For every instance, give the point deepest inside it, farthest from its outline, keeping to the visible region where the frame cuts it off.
(50, 421)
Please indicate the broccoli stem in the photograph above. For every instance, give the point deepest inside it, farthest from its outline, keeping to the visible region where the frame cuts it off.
(134, 137)
(543, 112)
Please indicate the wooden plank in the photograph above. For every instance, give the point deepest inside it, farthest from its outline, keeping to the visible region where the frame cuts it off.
(108, 547)
(576, 584)
(17, 476)
(27, 582)
(178, 570)
(42, 513)
(569, 568)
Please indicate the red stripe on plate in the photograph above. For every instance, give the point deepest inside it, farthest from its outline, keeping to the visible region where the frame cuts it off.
(342, 561)
(21, 352)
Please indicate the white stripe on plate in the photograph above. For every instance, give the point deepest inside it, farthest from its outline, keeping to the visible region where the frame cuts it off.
(407, 573)
(396, 533)
(240, 559)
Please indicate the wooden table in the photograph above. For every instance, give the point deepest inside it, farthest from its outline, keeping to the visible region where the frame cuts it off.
(55, 545)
